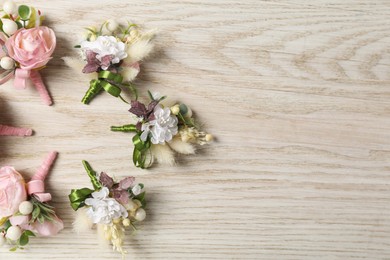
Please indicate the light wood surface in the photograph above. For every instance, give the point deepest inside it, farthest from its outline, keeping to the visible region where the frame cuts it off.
(296, 92)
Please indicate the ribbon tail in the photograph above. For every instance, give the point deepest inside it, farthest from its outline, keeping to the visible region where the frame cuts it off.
(6, 77)
(21, 76)
(41, 88)
(15, 131)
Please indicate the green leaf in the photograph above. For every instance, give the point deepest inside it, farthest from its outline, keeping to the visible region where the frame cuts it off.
(33, 18)
(141, 198)
(24, 12)
(23, 240)
(7, 225)
(36, 212)
(41, 219)
(29, 233)
(13, 249)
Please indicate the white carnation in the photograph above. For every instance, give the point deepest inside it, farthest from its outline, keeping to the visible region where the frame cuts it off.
(103, 209)
(106, 45)
(162, 128)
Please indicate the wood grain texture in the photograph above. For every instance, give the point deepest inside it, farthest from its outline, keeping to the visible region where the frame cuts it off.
(297, 93)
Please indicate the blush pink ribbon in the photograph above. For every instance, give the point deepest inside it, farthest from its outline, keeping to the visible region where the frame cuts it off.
(20, 82)
(36, 186)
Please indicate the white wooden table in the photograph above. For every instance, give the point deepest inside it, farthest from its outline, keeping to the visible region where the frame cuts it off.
(296, 92)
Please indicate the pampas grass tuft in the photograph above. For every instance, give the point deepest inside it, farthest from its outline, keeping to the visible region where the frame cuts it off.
(129, 73)
(138, 51)
(102, 235)
(163, 154)
(82, 223)
(181, 147)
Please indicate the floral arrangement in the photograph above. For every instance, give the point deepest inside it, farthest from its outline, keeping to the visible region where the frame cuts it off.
(24, 208)
(161, 131)
(111, 56)
(26, 47)
(110, 206)
(15, 131)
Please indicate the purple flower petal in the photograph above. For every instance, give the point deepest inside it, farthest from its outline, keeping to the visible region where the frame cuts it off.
(106, 180)
(137, 108)
(122, 196)
(106, 61)
(126, 183)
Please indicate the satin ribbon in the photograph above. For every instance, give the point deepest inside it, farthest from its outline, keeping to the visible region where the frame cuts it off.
(78, 196)
(20, 82)
(106, 81)
(37, 187)
(141, 148)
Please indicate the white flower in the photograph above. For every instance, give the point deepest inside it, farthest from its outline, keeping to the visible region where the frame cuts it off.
(106, 45)
(162, 128)
(103, 209)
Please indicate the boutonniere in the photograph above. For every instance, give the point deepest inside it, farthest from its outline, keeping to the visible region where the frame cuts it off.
(15, 131)
(24, 208)
(26, 47)
(111, 56)
(110, 206)
(161, 131)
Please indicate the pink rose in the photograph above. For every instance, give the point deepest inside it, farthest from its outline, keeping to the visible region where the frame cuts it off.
(12, 191)
(32, 48)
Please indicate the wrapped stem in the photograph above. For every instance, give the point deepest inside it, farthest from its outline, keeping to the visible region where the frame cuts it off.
(92, 175)
(43, 171)
(15, 131)
(41, 88)
(124, 128)
(94, 89)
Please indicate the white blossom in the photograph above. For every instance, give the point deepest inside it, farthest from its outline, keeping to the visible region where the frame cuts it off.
(104, 209)
(106, 45)
(162, 128)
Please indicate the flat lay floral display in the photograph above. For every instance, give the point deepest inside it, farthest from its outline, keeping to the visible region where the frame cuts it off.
(14, 131)
(110, 206)
(24, 208)
(26, 47)
(161, 131)
(111, 56)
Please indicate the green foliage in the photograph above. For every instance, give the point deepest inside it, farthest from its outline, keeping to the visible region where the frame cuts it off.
(24, 12)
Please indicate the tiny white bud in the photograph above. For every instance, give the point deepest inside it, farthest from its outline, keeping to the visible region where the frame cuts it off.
(14, 233)
(7, 63)
(140, 215)
(9, 26)
(209, 137)
(26, 207)
(136, 190)
(189, 113)
(10, 7)
(138, 203)
(175, 109)
(126, 222)
(112, 25)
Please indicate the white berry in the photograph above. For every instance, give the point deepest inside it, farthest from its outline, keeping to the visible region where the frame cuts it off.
(112, 25)
(9, 26)
(10, 7)
(26, 207)
(7, 63)
(14, 233)
(140, 215)
(126, 222)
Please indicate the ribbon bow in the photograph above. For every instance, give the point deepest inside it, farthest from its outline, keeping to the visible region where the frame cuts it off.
(141, 148)
(78, 196)
(107, 81)
(21, 77)
(36, 186)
